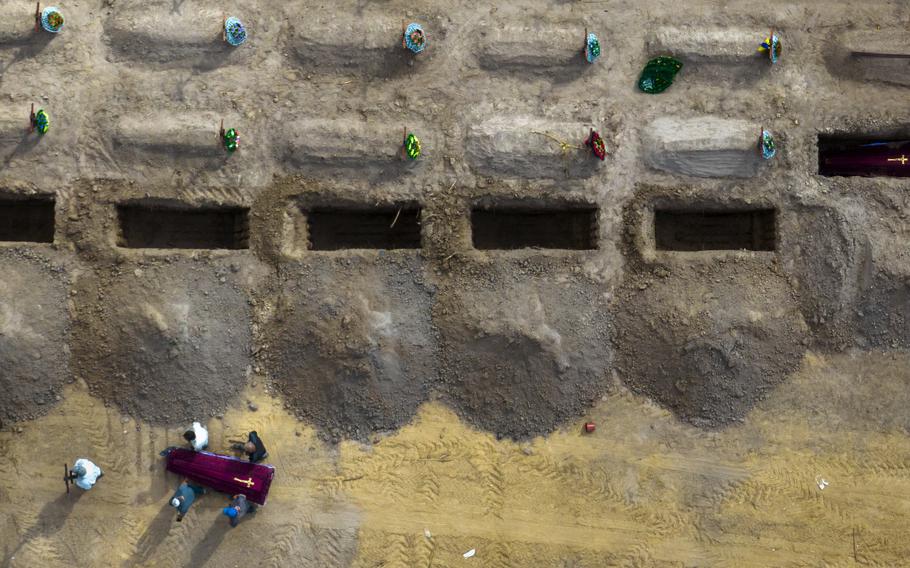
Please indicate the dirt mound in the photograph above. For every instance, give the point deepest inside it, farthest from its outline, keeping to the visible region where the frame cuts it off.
(882, 310)
(521, 359)
(708, 340)
(168, 342)
(34, 325)
(826, 268)
(351, 343)
(883, 314)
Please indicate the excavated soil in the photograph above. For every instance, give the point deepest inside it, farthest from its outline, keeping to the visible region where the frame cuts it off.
(350, 342)
(749, 403)
(161, 339)
(34, 333)
(709, 341)
(513, 363)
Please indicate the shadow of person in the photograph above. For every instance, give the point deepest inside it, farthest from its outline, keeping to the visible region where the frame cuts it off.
(207, 546)
(153, 536)
(50, 520)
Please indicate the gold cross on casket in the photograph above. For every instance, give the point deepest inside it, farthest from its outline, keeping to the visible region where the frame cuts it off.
(903, 159)
(247, 482)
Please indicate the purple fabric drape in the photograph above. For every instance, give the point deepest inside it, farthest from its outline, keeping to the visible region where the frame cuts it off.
(890, 159)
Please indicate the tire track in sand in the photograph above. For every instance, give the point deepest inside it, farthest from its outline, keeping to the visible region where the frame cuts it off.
(290, 541)
(334, 547)
(487, 462)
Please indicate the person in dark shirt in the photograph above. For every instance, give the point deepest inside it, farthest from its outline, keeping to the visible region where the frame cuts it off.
(184, 497)
(254, 448)
(238, 508)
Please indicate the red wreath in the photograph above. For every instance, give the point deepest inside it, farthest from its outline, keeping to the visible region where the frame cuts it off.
(597, 144)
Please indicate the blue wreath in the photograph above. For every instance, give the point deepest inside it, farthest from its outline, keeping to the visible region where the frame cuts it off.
(415, 47)
(768, 149)
(45, 23)
(592, 48)
(234, 31)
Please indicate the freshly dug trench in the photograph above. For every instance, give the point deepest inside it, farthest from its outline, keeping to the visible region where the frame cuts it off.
(678, 230)
(27, 220)
(148, 226)
(381, 228)
(506, 228)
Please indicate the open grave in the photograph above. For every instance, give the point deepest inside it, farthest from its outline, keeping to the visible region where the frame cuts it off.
(386, 227)
(165, 226)
(515, 226)
(27, 219)
(858, 155)
(687, 230)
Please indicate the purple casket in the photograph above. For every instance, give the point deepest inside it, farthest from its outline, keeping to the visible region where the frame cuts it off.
(223, 473)
(845, 158)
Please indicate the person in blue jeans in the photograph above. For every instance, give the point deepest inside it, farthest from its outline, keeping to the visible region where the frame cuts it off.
(238, 508)
(184, 497)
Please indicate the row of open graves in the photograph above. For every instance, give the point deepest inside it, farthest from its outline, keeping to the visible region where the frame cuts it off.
(507, 226)
(560, 224)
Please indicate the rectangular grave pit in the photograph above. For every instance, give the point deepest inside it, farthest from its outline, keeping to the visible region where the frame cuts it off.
(513, 227)
(384, 228)
(179, 227)
(680, 230)
(852, 155)
(28, 220)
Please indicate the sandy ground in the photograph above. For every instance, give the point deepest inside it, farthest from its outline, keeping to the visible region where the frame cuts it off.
(642, 490)
(419, 403)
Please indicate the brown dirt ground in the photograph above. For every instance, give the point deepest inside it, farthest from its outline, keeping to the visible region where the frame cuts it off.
(643, 490)
(457, 379)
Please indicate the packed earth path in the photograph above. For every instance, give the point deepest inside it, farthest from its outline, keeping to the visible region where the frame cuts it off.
(414, 278)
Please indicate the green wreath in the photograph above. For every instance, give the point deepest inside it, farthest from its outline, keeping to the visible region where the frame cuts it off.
(412, 146)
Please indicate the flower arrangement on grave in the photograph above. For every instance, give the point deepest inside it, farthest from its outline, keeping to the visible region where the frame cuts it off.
(772, 46)
(592, 48)
(766, 143)
(659, 74)
(41, 121)
(597, 144)
(52, 19)
(234, 32)
(412, 146)
(414, 38)
(231, 140)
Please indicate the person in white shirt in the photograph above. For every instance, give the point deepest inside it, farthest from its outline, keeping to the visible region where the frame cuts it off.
(197, 436)
(84, 473)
